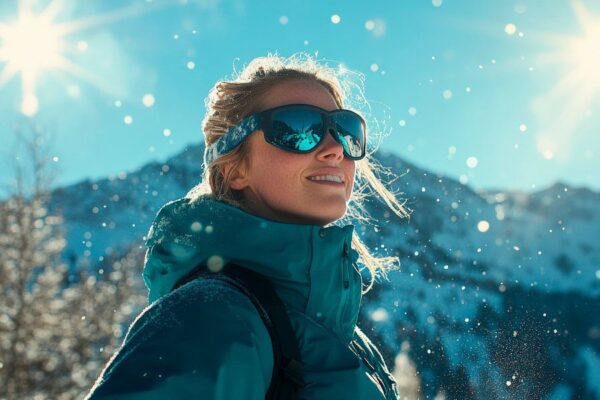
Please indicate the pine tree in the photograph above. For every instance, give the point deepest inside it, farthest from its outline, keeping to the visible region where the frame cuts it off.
(56, 333)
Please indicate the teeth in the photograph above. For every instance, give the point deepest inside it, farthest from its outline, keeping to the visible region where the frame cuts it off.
(332, 178)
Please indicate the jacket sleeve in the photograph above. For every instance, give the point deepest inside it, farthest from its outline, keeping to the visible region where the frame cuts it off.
(204, 340)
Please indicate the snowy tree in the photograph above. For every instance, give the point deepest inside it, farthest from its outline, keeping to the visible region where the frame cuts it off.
(56, 333)
(405, 373)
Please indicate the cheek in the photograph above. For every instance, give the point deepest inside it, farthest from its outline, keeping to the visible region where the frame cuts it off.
(277, 174)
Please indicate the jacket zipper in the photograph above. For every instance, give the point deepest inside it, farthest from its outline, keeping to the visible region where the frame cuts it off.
(345, 277)
(345, 285)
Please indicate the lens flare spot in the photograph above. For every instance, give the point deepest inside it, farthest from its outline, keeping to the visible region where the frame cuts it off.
(472, 162)
(215, 263)
(148, 100)
(510, 29)
(30, 105)
(380, 315)
(483, 226)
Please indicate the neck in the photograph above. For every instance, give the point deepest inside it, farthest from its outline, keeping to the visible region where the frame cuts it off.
(253, 204)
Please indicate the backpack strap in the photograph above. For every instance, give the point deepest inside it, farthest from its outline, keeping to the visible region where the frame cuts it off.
(287, 367)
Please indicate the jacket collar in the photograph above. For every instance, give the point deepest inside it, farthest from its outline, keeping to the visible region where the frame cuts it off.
(312, 268)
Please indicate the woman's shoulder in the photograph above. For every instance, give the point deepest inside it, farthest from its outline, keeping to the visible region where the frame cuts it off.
(180, 340)
(202, 305)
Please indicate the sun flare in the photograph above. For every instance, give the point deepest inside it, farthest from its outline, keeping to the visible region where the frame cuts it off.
(583, 52)
(586, 57)
(35, 43)
(29, 46)
(564, 106)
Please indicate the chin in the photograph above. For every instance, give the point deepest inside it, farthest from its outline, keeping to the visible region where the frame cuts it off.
(323, 217)
(329, 218)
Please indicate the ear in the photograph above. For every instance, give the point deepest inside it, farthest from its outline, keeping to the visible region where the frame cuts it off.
(238, 179)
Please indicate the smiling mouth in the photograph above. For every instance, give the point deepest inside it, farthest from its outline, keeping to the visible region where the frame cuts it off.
(327, 183)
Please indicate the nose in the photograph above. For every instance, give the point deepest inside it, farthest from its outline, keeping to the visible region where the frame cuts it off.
(329, 148)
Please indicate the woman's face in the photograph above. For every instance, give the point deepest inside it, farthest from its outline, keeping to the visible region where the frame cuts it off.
(275, 184)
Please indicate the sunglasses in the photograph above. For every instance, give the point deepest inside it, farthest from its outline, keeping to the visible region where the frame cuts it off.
(297, 128)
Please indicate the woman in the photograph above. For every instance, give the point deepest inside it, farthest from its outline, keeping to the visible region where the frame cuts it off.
(281, 159)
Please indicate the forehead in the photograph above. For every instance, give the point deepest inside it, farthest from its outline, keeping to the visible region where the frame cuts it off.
(299, 92)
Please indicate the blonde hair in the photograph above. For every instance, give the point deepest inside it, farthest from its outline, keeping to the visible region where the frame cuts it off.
(228, 102)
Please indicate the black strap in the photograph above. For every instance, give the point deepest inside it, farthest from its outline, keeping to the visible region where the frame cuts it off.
(287, 368)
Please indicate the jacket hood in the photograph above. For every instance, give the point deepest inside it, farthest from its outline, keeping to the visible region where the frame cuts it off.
(312, 268)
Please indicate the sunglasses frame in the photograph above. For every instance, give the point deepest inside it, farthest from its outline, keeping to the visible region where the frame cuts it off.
(328, 120)
(263, 120)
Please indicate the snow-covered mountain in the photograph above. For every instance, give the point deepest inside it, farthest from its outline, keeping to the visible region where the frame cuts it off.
(498, 295)
(108, 215)
(499, 292)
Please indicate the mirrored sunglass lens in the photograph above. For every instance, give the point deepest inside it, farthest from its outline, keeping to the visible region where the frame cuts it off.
(350, 131)
(297, 129)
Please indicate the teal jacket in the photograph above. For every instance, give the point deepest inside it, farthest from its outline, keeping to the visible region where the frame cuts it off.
(206, 340)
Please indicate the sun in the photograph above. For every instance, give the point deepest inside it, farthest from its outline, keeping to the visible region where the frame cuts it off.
(29, 46)
(35, 43)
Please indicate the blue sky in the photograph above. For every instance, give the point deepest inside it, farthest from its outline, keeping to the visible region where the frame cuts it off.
(498, 94)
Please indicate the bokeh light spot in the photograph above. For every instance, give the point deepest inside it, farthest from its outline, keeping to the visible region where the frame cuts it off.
(472, 162)
(148, 100)
(510, 29)
(483, 226)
